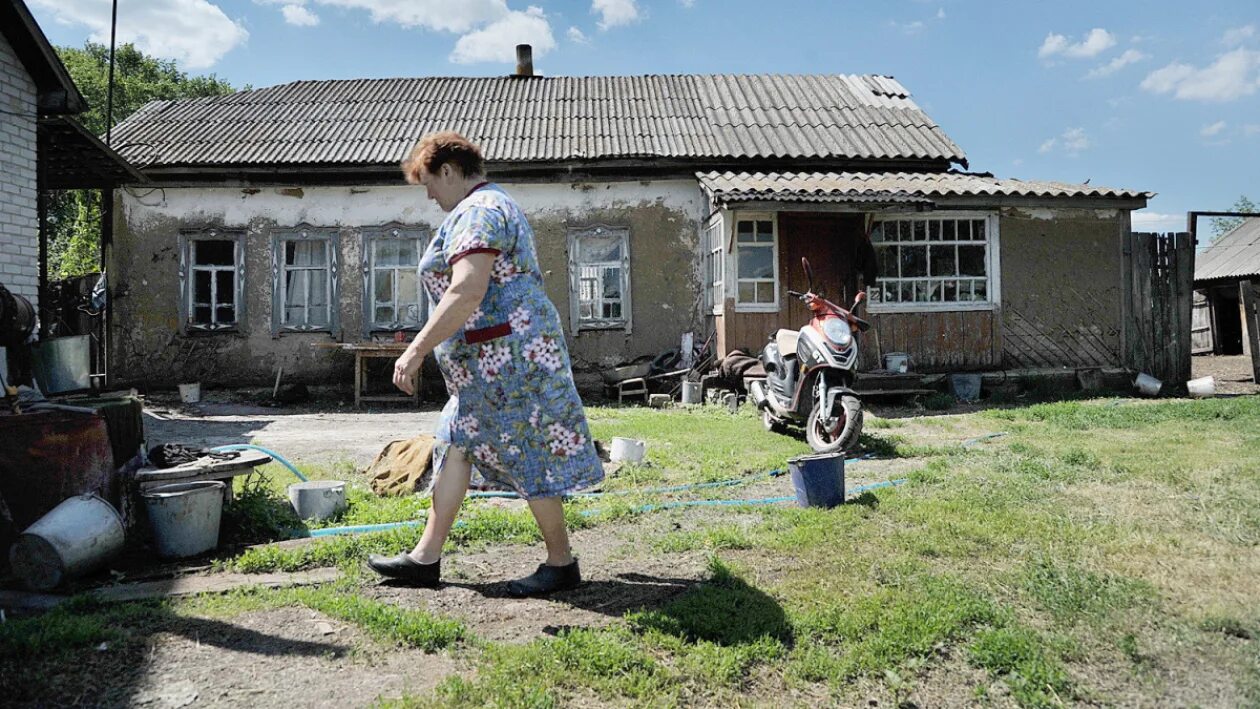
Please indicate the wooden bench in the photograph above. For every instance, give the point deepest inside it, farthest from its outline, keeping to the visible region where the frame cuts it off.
(203, 469)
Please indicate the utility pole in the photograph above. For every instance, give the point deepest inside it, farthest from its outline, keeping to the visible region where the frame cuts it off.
(109, 90)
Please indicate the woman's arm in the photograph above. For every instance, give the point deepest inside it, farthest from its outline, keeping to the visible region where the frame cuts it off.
(470, 278)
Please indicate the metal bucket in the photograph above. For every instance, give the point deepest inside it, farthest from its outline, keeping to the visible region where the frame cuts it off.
(897, 362)
(1201, 388)
(185, 517)
(76, 537)
(629, 450)
(1147, 385)
(190, 393)
(965, 387)
(818, 479)
(691, 393)
(63, 364)
(318, 499)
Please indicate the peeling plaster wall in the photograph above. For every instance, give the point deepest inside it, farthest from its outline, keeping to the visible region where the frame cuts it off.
(1062, 287)
(150, 346)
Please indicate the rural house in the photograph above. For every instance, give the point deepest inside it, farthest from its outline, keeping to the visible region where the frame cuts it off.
(1225, 274)
(277, 218)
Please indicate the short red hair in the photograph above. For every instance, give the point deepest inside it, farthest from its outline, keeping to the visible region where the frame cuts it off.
(436, 149)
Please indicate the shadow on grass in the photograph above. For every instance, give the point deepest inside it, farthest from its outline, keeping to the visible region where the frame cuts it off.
(613, 597)
(726, 610)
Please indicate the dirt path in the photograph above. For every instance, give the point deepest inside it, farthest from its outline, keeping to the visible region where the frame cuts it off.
(1232, 373)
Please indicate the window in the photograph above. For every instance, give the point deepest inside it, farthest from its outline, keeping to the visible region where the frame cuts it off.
(599, 277)
(304, 266)
(393, 296)
(714, 265)
(756, 264)
(945, 261)
(211, 275)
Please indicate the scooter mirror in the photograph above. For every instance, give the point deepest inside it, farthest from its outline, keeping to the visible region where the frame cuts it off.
(809, 272)
(858, 299)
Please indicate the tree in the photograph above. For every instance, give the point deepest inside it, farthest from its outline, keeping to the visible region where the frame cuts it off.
(74, 216)
(1224, 225)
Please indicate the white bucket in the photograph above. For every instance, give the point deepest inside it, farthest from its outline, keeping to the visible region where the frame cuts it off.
(318, 499)
(691, 393)
(1202, 387)
(627, 449)
(898, 362)
(190, 393)
(75, 537)
(1147, 385)
(185, 517)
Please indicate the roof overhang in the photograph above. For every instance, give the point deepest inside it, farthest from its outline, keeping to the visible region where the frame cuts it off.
(57, 94)
(70, 157)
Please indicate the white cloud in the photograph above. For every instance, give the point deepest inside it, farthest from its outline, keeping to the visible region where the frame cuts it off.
(194, 33)
(940, 14)
(1210, 130)
(615, 12)
(442, 15)
(1238, 35)
(1096, 42)
(1145, 221)
(1072, 143)
(687, 3)
(1017, 162)
(1251, 129)
(1233, 75)
(578, 36)
(496, 42)
(1130, 56)
(299, 16)
(909, 27)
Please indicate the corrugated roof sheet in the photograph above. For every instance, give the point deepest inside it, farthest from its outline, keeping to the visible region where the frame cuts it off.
(1235, 254)
(375, 122)
(730, 187)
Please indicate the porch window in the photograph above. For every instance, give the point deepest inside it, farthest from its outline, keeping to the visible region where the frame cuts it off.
(212, 279)
(304, 266)
(935, 261)
(756, 264)
(714, 266)
(599, 277)
(393, 297)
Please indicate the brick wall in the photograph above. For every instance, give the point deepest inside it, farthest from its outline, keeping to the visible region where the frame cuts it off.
(19, 228)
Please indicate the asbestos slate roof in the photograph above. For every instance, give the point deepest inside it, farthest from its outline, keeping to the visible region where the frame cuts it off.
(1235, 255)
(910, 187)
(542, 119)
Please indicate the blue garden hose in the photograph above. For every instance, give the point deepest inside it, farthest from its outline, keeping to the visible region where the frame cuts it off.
(274, 455)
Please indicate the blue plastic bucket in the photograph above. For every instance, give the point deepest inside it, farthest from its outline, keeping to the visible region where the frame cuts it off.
(818, 479)
(965, 387)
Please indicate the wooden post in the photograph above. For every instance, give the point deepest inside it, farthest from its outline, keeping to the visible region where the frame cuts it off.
(1249, 295)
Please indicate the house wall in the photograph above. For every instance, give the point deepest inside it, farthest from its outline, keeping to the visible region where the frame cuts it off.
(19, 228)
(148, 344)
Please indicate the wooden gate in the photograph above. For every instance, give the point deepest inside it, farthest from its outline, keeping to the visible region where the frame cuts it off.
(1201, 335)
(1159, 294)
(1249, 293)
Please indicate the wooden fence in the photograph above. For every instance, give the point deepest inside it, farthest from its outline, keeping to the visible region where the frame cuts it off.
(1159, 300)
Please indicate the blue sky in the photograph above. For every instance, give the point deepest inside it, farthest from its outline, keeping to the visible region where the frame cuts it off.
(1158, 96)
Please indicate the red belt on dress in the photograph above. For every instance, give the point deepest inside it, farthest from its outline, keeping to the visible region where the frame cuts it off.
(482, 334)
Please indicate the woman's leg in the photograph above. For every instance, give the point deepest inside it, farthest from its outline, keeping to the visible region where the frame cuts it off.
(448, 494)
(549, 513)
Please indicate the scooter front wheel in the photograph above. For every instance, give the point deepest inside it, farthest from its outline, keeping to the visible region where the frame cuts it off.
(836, 434)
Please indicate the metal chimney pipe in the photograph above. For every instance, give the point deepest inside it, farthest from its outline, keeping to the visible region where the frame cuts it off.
(524, 60)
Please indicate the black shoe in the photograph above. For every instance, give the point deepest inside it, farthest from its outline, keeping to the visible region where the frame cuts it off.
(547, 579)
(402, 567)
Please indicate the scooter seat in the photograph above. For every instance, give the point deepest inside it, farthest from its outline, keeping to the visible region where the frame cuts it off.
(786, 340)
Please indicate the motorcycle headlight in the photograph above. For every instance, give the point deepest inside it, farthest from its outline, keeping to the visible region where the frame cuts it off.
(838, 331)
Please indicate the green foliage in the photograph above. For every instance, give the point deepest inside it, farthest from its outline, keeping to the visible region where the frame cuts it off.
(1019, 656)
(1070, 593)
(1223, 225)
(940, 401)
(385, 621)
(74, 216)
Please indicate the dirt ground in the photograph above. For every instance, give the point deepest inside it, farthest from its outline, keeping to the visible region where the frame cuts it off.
(1232, 373)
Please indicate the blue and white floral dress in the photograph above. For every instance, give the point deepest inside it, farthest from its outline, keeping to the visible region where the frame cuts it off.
(514, 409)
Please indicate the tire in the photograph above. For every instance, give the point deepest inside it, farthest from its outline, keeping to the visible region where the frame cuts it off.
(772, 424)
(843, 439)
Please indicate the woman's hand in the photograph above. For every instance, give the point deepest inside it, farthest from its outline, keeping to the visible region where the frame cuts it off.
(405, 369)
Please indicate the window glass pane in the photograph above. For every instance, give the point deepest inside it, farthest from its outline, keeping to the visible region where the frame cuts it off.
(922, 292)
(950, 293)
(201, 286)
(409, 252)
(977, 229)
(305, 253)
(384, 314)
(599, 248)
(971, 260)
(920, 230)
(744, 231)
(934, 230)
(385, 252)
(383, 290)
(913, 261)
(408, 287)
(214, 252)
(765, 292)
(748, 292)
(765, 232)
(586, 311)
(756, 262)
(906, 292)
(295, 297)
(949, 230)
(227, 314)
(201, 315)
(979, 290)
(887, 258)
(612, 311)
(902, 233)
(877, 232)
(612, 283)
(319, 289)
(226, 285)
(891, 292)
(944, 262)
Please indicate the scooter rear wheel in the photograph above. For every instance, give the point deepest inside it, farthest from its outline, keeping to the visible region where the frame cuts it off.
(772, 423)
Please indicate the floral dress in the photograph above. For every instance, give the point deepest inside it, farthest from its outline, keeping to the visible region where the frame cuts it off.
(514, 409)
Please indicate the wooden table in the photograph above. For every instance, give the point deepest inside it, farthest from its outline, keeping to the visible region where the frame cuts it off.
(204, 469)
(363, 351)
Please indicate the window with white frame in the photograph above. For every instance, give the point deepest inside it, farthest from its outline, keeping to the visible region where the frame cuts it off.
(934, 260)
(756, 263)
(599, 276)
(714, 265)
(393, 296)
(304, 266)
(212, 279)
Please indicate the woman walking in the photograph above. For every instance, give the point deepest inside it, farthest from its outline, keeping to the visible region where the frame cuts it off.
(513, 411)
